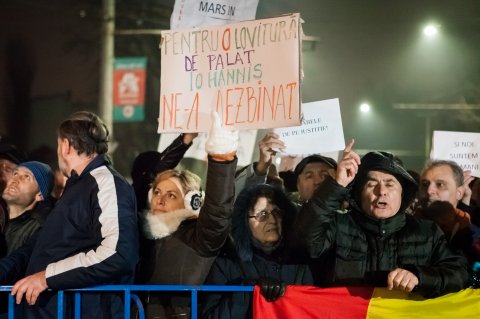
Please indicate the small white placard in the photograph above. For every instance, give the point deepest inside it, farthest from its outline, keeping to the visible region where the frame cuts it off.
(321, 130)
(460, 147)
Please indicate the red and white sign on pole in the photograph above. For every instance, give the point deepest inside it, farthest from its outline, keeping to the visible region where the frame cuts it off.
(129, 89)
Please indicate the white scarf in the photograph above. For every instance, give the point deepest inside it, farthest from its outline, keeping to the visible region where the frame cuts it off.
(156, 226)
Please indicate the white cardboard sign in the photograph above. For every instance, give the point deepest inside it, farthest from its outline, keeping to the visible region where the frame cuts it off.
(460, 147)
(321, 130)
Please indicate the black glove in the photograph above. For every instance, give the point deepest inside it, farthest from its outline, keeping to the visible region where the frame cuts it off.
(271, 288)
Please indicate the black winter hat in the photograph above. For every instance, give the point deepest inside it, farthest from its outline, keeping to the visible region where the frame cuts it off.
(316, 158)
(11, 153)
(385, 162)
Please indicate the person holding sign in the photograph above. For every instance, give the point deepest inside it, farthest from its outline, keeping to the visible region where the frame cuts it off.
(258, 172)
(309, 173)
(375, 243)
(181, 237)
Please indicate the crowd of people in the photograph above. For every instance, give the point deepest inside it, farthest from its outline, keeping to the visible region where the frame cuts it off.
(361, 221)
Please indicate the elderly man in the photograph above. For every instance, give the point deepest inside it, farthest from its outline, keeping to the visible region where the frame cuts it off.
(375, 243)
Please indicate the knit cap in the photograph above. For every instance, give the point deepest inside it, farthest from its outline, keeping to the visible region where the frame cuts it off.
(43, 175)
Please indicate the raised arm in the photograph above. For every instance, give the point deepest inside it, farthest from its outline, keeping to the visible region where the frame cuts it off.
(214, 219)
(315, 227)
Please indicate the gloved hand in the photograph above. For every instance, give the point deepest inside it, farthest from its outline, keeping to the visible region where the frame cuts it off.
(221, 141)
(271, 288)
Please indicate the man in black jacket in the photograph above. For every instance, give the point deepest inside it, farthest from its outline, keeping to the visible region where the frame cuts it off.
(375, 243)
(27, 195)
(91, 235)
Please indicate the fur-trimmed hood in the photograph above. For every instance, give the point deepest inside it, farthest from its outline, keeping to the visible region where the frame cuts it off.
(241, 234)
(156, 226)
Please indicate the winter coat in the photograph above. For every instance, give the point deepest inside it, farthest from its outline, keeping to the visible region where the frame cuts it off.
(89, 238)
(357, 249)
(20, 228)
(242, 262)
(178, 248)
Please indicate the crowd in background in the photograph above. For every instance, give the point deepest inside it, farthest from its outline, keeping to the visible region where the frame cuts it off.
(361, 221)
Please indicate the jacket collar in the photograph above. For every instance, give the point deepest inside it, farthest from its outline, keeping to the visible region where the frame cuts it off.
(380, 227)
(156, 226)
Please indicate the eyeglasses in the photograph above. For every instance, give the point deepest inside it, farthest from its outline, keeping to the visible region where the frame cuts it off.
(262, 216)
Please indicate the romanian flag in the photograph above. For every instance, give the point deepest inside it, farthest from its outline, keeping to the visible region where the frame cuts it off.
(372, 303)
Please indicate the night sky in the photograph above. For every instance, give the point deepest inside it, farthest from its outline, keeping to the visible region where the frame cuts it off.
(367, 51)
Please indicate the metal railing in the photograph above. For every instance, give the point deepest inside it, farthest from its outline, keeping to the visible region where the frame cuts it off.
(129, 297)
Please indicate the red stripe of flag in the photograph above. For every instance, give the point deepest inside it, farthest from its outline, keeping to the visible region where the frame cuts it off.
(312, 302)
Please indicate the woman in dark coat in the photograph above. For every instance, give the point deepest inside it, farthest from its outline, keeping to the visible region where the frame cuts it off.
(257, 254)
(180, 237)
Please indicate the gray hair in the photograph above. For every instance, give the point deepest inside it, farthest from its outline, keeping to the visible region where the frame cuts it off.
(456, 169)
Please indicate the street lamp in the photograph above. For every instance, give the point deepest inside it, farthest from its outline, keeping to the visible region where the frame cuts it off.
(431, 30)
(364, 108)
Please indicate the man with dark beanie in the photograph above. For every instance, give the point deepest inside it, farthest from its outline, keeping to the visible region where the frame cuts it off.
(375, 243)
(27, 195)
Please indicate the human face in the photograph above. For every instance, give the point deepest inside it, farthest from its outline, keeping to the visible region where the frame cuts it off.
(381, 195)
(167, 196)
(269, 231)
(438, 184)
(22, 189)
(6, 172)
(312, 176)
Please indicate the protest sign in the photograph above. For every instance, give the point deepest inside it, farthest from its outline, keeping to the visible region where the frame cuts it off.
(249, 72)
(321, 130)
(460, 147)
(193, 13)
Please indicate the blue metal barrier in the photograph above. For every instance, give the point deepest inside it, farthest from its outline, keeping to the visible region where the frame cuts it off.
(129, 297)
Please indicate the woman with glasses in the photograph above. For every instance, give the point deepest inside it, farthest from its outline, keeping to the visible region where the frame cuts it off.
(257, 253)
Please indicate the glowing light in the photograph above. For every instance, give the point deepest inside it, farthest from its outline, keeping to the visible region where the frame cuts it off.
(430, 31)
(365, 108)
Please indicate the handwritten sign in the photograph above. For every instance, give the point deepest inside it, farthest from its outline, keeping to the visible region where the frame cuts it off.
(321, 130)
(192, 13)
(249, 72)
(460, 147)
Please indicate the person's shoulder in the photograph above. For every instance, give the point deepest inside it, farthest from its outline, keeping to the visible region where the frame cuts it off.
(421, 226)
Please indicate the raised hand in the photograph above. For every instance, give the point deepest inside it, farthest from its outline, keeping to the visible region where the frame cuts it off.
(467, 191)
(220, 140)
(347, 168)
(268, 147)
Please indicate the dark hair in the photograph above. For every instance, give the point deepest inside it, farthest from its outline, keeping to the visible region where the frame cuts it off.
(86, 132)
(245, 202)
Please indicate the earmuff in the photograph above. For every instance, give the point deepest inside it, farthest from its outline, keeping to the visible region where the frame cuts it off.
(193, 200)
